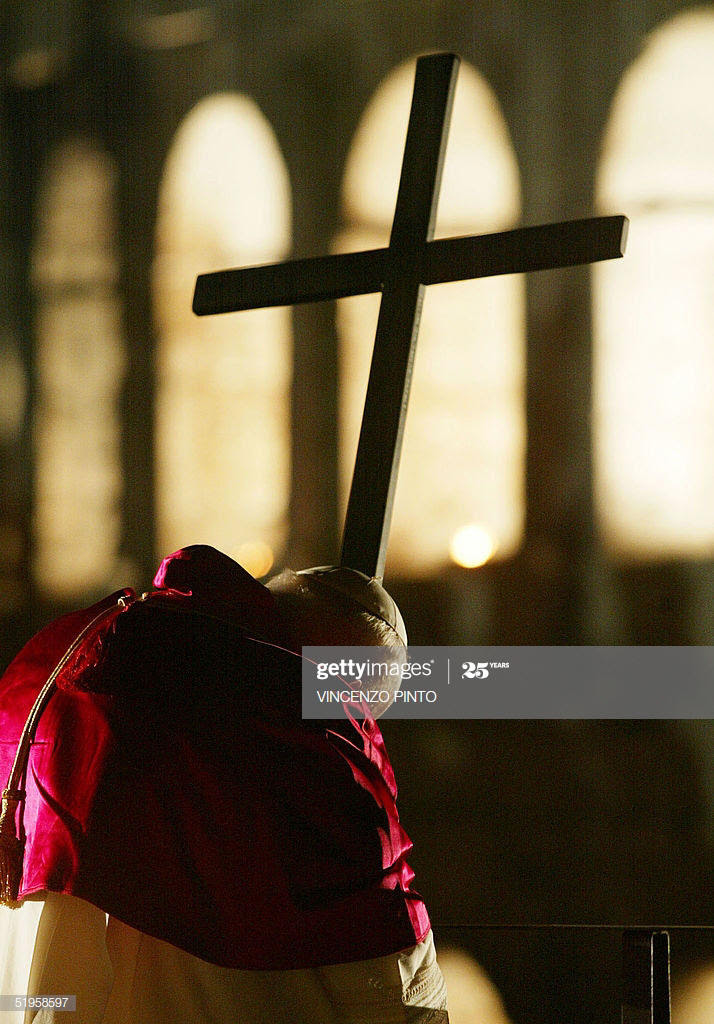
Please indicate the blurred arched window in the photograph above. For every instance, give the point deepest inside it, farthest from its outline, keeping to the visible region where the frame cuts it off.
(461, 481)
(654, 310)
(223, 421)
(79, 371)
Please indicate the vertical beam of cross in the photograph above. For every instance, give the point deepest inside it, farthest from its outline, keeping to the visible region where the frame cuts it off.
(369, 511)
(412, 260)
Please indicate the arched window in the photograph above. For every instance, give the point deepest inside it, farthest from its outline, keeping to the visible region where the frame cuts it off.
(460, 490)
(222, 429)
(654, 311)
(79, 370)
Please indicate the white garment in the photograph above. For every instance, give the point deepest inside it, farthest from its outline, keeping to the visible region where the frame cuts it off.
(121, 976)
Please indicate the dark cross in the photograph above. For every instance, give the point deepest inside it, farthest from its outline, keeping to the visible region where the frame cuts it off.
(400, 272)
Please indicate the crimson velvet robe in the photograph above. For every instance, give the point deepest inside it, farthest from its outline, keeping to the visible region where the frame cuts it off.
(173, 784)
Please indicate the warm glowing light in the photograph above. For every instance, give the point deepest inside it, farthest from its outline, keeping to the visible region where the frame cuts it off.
(472, 994)
(693, 996)
(256, 557)
(472, 546)
(80, 370)
(654, 342)
(222, 410)
(464, 440)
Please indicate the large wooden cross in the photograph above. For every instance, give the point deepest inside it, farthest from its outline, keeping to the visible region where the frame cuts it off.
(400, 272)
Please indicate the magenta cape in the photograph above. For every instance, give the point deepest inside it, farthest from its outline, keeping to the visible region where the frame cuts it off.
(173, 784)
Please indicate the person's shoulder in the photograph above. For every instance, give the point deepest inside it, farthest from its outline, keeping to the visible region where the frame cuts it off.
(179, 652)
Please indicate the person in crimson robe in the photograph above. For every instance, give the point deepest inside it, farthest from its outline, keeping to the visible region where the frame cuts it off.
(179, 844)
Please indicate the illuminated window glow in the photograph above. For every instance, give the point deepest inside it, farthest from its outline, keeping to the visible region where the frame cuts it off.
(80, 366)
(464, 441)
(654, 365)
(222, 424)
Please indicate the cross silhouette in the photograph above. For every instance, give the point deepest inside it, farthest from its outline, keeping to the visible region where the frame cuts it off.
(400, 272)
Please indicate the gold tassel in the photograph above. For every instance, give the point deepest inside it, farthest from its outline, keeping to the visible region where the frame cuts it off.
(12, 852)
(11, 849)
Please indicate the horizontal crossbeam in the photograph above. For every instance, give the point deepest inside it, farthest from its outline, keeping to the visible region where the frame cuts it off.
(522, 250)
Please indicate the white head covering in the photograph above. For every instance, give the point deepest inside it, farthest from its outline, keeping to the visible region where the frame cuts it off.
(367, 593)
